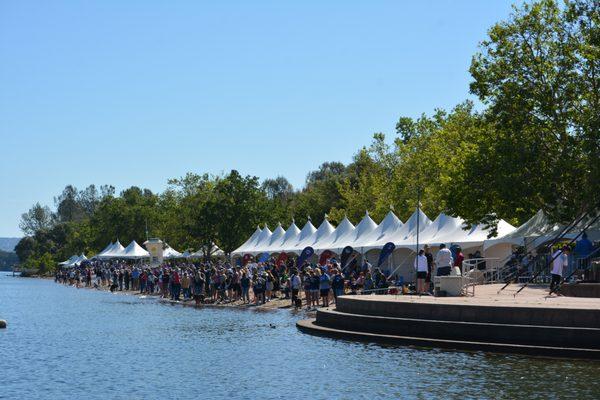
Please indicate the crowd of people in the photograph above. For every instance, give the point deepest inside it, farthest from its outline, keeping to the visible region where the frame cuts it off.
(257, 283)
(310, 285)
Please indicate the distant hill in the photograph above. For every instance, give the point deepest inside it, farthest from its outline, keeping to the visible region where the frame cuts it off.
(8, 244)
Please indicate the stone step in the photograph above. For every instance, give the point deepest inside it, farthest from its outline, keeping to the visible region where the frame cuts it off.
(535, 335)
(311, 327)
(543, 316)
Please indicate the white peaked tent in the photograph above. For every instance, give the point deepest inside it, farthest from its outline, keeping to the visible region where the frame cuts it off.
(323, 232)
(339, 238)
(363, 229)
(442, 228)
(169, 253)
(71, 261)
(115, 251)
(261, 242)
(274, 244)
(248, 243)
(291, 237)
(106, 249)
(134, 251)
(478, 234)
(214, 251)
(537, 226)
(388, 227)
(405, 235)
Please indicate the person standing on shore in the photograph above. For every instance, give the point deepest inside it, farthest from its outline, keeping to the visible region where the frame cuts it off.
(443, 261)
(429, 257)
(295, 283)
(176, 284)
(337, 284)
(324, 288)
(560, 261)
(421, 268)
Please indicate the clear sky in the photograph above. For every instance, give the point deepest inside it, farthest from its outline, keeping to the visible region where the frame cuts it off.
(136, 92)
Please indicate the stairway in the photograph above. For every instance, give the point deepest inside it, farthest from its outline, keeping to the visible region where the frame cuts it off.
(556, 332)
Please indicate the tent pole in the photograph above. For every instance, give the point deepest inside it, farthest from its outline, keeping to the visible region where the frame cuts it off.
(418, 218)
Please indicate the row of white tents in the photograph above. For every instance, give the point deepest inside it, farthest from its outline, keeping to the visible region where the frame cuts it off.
(134, 251)
(368, 235)
(73, 261)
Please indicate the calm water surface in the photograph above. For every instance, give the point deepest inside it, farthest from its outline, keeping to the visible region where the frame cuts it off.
(67, 343)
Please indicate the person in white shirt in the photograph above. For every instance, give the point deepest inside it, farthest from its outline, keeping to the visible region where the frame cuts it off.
(443, 261)
(421, 268)
(560, 261)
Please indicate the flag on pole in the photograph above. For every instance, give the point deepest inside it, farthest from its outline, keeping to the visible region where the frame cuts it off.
(305, 255)
(388, 248)
(324, 257)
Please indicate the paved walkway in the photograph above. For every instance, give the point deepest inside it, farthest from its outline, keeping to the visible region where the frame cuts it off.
(487, 295)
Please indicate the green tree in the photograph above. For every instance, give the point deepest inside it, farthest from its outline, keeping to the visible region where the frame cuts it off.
(539, 74)
(37, 218)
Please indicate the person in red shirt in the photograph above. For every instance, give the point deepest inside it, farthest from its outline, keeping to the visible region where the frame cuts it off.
(460, 257)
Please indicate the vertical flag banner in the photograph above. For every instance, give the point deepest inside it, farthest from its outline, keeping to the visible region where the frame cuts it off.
(388, 248)
(281, 259)
(346, 253)
(246, 259)
(324, 257)
(264, 257)
(305, 255)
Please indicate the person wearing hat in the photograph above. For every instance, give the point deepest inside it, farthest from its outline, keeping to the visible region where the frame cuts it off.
(560, 260)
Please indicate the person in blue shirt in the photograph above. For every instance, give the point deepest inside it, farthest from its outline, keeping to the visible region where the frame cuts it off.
(324, 287)
(583, 248)
(337, 284)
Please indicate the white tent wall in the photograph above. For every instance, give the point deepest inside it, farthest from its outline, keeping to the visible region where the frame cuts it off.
(400, 260)
(501, 251)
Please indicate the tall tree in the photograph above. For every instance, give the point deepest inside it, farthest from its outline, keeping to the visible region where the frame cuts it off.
(36, 219)
(539, 74)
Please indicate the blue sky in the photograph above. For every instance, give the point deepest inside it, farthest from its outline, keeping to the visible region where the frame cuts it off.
(136, 92)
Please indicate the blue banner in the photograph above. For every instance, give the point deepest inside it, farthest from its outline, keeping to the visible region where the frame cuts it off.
(264, 257)
(385, 253)
(346, 253)
(305, 255)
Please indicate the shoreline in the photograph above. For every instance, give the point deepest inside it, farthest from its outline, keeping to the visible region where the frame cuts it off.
(274, 304)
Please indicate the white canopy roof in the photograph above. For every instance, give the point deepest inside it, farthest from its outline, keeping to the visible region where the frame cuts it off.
(291, 237)
(403, 235)
(214, 251)
(248, 244)
(115, 251)
(363, 229)
(134, 250)
(275, 240)
(106, 249)
(322, 234)
(338, 239)
(169, 252)
(388, 227)
(368, 235)
(71, 261)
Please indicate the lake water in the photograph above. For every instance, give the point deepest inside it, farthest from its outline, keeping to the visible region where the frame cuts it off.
(67, 343)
